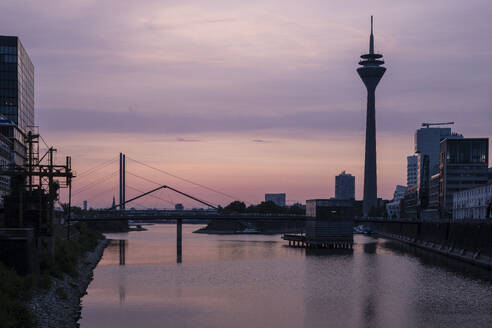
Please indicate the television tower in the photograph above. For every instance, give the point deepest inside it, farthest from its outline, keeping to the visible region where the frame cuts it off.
(370, 73)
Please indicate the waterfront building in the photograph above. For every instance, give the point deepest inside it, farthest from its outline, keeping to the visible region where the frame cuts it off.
(393, 207)
(5, 159)
(344, 186)
(409, 203)
(427, 143)
(473, 203)
(412, 170)
(278, 199)
(464, 165)
(16, 83)
(336, 208)
(433, 210)
(371, 73)
(17, 138)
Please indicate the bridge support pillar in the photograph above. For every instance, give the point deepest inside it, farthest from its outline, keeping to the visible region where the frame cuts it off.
(179, 240)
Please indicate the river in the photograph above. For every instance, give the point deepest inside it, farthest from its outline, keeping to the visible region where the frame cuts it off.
(257, 281)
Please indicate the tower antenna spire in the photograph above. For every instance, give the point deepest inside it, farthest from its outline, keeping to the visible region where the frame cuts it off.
(371, 41)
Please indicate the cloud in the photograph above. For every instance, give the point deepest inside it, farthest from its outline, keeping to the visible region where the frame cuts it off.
(179, 139)
(261, 141)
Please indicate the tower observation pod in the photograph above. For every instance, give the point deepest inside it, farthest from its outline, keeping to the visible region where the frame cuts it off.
(370, 72)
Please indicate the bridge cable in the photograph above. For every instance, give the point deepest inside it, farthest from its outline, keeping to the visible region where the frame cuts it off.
(93, 183)
(97, 167)
(183, 179)
(99, 194)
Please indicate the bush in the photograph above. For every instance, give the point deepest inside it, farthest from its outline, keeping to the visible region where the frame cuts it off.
(13, 290)
(60, 292)
(68, 252)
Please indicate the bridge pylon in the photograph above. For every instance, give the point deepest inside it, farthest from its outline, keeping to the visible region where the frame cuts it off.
(122, 181)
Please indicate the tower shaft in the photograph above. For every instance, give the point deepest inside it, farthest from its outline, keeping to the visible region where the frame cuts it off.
(370, 169)
(371, 73)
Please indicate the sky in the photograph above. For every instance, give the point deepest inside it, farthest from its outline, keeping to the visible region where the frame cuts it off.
(247, 97)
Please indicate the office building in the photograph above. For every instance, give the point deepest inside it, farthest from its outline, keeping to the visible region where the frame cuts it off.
(278, 199)
(409, 204)
(412, 170)
(85, 205)
(344, 186)
(333, 208)
(5, 159)
(427, 143)
(16, 83)
(474, 203)
(433, 206)
(179, 207)
(464, 165)
(371, 73)
(393, 207)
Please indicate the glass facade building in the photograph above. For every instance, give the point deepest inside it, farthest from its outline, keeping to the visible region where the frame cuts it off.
(16, 83)
(464, 165)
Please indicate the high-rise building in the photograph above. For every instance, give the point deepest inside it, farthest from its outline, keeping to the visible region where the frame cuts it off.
(278, 199)
(344, 186)
(464, 165)
(371, 73)
(412, 170)
(427, 143)
(16, 83)
(393, 207)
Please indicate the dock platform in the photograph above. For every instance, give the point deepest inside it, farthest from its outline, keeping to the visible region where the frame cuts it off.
(331, 243)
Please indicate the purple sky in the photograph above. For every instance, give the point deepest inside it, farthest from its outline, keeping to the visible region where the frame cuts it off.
(250, 96)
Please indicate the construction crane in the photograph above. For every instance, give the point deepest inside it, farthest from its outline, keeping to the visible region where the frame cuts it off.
(429, 124)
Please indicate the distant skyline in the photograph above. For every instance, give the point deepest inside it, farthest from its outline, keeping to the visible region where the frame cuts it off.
(250, 97)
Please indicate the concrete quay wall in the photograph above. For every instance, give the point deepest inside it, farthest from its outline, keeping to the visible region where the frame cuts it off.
(470, 241)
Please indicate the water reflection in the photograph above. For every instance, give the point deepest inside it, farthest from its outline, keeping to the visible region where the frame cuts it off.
(122, 244)
(432, 259)
(256, 281)
(370, 247)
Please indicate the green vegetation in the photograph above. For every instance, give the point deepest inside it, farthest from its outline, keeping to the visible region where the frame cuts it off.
(262, 208)
(68, 252)
(15, 290)
(60, 292)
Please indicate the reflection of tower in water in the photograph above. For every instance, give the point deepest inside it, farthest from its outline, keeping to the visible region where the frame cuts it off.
(122, 251)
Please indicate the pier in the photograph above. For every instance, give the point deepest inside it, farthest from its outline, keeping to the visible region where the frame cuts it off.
(333, 243)
(332, 233)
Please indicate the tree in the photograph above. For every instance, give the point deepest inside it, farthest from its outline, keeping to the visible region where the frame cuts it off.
(265, 208)
(235, 207)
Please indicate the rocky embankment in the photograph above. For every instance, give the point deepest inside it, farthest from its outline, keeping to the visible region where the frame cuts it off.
(59, 306)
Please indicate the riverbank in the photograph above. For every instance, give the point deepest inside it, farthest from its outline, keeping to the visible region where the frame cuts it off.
(59, 305)
(456, 253)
